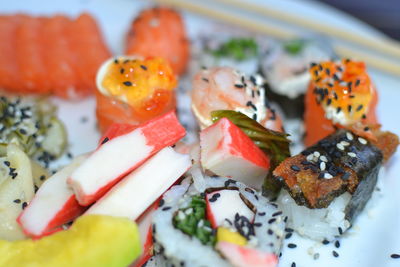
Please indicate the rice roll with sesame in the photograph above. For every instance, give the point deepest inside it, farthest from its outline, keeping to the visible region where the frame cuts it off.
(285, 67)
(227, 224)
(328, 184)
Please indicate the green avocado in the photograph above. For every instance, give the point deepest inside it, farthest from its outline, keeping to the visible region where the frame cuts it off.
(93, 240)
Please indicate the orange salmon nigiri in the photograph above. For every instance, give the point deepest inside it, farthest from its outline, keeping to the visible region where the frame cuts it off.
(340, 94)
(133, 90)
(159, 32)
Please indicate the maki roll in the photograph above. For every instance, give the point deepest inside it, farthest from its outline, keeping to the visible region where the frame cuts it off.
(226, 224)
(285, 67)
(329, 183)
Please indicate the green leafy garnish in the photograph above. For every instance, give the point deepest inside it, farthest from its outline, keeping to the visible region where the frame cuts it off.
(274, 144)
(237, 48)
(192, 221)
(294, 46)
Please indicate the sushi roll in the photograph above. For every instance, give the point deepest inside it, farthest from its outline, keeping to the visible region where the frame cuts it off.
(224, 88)
(285, 67)
(226, 49)
(159, 32)
(340, 94)
(328, 184)
(226, 224)
(133, 90)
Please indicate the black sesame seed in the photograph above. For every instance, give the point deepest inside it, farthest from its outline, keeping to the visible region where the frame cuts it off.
(337, 244)
(23, 131)
(395, 256)
(166, 208)
(271, 220)
(42, 178)
(17, 201)
(366, 129)
(313, 64)
(289, 230)
(364, 116)
(261, 213)
(205, 79)
(105, 140)
(328, 102)
(328, 71)
(161, 202)
(295, 168)
(239, 85)
(286, 218)
(325, 242)
(212, 199)
(143, 67)
(116, 61)
(277, 213)
(250, 104)
(291, 245)
(340, 230)
(288, 235)
(349, 107)
(357, 82)
(293, 264)
(338, 109)
(127, 83)
(335, 254)
(257, 224)
(7, 163)
(24, 205)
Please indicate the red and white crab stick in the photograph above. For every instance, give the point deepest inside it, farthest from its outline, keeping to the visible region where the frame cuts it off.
(53, 205)
(121, 155)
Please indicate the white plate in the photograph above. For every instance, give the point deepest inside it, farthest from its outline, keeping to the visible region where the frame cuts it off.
(376, 233)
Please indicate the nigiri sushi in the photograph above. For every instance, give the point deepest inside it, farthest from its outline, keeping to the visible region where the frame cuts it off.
(340, 94)
(50, 55)
(133, 90)
(159, 32)
(223, 88)
(285, 66)
(328, 184)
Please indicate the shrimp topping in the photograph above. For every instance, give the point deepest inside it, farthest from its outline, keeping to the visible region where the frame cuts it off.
(224, 88)
(343, 89)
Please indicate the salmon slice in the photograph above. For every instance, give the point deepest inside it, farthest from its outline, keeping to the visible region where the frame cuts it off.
(29, 56)
(159, 32)
(89, 51)
(8, 66)
(58, 56)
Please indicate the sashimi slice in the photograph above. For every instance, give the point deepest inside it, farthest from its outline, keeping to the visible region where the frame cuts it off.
(240, 256)
(121, 155)
(58, 56)
(227, 151)
(53, 205)
(8, 66)
(138, 190)
(29, 56)
(90, 51)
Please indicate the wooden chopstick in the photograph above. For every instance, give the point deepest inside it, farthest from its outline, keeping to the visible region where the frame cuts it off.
(281, 33)
(386, 46)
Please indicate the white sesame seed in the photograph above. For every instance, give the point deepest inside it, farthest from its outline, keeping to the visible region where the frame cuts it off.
(362, 140)
(200, 224)
(316, 154)
(351, 154)
(323, 158)
(322, 166)
(310, 157)
(344, 143)
(340, 146)
(349, 136)
(189, 211)
(181, 215)
(328, 175)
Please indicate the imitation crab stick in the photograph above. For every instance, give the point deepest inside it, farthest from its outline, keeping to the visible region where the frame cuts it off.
(341, 94)
(53, 205)
(138, 190)
(227, 151)
(159, 32)
(121, 155)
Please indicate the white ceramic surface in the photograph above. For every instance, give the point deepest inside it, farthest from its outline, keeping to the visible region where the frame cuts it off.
(376, 234)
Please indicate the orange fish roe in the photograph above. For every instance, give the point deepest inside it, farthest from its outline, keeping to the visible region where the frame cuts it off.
(134, 90)
(340, 94)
